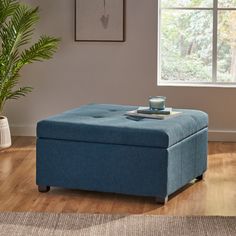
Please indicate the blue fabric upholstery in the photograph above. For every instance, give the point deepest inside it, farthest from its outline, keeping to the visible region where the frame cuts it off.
(110, 153)
(103, 123)
(144, 171)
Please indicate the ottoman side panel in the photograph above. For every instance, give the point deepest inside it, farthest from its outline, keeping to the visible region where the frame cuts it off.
(187, 160)
(201, 153)
(174, 169)
(123, 169)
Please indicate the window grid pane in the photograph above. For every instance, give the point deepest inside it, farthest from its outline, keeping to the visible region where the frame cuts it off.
(227, 3)
(226, 58)
(187, 44)
(187, 3)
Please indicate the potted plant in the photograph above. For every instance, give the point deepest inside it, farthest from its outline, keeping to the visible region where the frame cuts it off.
(17, 22)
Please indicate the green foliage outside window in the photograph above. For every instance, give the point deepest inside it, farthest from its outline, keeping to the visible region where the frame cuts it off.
(187, 41)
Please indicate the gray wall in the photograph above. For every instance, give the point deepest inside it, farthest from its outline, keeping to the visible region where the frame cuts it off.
(123, 73)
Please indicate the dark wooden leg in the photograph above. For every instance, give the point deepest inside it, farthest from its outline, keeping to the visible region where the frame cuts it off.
(43, 189)
(200, 177)
(161, 200)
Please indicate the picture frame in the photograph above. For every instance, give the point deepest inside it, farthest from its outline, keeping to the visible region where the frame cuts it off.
(100, 20)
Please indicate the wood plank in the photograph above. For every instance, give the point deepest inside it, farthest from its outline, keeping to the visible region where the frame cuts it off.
(215, 195)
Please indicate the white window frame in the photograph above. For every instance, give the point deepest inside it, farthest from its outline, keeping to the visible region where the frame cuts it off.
(214, 82)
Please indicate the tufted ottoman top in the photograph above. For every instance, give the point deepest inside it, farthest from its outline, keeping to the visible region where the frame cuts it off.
(105, 123)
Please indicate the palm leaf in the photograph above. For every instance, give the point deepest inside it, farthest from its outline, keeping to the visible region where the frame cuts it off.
(21, 92)
(7, 7)
(17, 23)
(7, 85)
(18, 31)
(42, 50)
(15, 33)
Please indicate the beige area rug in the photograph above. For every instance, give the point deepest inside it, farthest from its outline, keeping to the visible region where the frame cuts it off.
(12, 224)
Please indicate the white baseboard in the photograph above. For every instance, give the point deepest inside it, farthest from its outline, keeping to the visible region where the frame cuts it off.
(214, 135)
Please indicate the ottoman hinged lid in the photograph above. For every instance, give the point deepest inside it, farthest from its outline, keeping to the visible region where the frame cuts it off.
(105, 123)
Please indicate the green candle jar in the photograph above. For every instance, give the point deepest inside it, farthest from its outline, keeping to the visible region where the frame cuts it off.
(157, 103)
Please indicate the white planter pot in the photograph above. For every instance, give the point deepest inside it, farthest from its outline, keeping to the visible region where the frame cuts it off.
(5, 135)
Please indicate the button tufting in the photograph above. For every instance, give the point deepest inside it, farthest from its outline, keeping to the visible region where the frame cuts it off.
(98, 116)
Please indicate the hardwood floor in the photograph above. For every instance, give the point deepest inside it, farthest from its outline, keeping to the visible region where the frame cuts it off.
(216, 195)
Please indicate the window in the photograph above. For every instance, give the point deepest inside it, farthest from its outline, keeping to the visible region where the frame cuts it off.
(197, 42)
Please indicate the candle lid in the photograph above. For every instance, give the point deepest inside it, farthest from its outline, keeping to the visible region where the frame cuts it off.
(160, 97)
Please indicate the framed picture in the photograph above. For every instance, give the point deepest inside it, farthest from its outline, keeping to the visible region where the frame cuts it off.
(100, 20)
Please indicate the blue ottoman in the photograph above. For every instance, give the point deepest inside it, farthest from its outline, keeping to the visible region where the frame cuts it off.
(97, 148)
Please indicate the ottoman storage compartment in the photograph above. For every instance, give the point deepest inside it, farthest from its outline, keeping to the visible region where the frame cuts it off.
(95, 147)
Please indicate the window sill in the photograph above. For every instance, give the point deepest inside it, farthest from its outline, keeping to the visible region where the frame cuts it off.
(196, 85)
